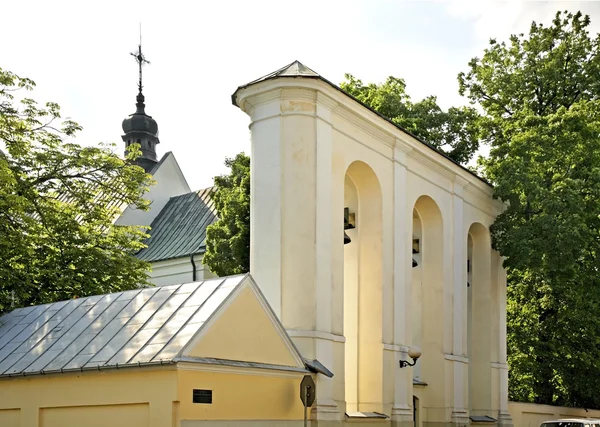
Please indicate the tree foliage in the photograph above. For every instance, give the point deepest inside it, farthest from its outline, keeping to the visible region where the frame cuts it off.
(228, 239)
(454, 132)
(58, 201)
(540, 93)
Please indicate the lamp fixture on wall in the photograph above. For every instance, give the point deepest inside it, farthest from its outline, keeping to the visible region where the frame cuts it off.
(414, 353)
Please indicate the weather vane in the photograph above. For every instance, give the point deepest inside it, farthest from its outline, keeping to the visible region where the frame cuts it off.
(140, 59)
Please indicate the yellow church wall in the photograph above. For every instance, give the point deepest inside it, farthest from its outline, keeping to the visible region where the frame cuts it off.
(266, 396)
(242, 331)
(10, 417)
(96, 416)
(131, 397)
(150, 398)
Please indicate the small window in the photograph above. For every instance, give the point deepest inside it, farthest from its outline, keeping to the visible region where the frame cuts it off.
(202, 396)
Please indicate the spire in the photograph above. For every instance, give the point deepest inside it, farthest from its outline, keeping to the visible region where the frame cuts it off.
(141, 60)
(140, 128)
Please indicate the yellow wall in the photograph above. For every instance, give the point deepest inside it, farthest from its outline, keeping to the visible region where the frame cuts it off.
(241, 397)
(145, 397)
(532, 415)
(128, 397)
(96, 416)
(243, 331)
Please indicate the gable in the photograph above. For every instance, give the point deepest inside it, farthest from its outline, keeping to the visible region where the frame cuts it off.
(170, 182)
(245, 329)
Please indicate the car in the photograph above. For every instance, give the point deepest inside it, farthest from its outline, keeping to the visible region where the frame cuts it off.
(572, 422)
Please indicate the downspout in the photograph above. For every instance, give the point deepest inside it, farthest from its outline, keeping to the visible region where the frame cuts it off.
(193, 268)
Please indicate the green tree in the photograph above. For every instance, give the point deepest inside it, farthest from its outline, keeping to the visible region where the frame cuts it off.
(228, 239)
(58, 201)
(453, 132)
(539, 94)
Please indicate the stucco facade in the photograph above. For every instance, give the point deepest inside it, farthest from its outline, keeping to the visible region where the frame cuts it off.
(359, 307)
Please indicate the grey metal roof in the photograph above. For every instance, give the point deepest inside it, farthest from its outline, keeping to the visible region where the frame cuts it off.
(295, 69)
(298, 70)
(145, 326)
(180, 228)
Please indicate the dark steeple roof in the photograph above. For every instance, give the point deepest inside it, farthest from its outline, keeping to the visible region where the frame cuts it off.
(140, 127)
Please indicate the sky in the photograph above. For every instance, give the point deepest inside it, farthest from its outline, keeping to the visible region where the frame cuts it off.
(200, 51)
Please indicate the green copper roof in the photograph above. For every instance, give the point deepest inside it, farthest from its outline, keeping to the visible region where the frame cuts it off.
(180, 228)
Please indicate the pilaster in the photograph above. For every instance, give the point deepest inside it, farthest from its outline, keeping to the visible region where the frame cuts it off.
(402, 411)
(504, 417)
(460, 413)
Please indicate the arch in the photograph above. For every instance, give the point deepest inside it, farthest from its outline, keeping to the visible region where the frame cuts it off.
(479, 318)
(416, 412)
(363, 277)
(428, 300)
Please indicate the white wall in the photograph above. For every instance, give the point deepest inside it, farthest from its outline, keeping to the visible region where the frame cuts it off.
(170, 182)
(178, 270)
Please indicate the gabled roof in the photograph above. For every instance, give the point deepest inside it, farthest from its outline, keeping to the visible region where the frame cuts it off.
(160, 162)
(180, 228)
(133, 328)
(298, 70)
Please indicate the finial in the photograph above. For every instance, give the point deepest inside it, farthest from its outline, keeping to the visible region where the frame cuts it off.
(140, 59)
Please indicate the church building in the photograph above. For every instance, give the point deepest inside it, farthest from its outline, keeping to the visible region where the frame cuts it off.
(371, 271)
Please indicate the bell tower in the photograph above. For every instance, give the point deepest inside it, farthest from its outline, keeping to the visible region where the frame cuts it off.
(139, 127)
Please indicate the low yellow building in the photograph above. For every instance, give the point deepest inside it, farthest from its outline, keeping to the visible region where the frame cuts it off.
(201, 353)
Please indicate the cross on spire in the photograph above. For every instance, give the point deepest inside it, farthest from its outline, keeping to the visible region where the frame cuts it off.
(140, 59)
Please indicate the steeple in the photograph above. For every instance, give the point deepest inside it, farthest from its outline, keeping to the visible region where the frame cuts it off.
(139, 127)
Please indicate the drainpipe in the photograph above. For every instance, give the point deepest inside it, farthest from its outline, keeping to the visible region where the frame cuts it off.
(193, 268)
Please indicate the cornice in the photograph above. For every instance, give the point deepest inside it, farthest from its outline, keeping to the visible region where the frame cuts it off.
(327, 101)
(238, 370)
(249, 103)
(298, 94)
(427, 161)
(364, 125)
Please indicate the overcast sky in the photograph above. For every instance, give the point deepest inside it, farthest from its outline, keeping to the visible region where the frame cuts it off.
(201, 51)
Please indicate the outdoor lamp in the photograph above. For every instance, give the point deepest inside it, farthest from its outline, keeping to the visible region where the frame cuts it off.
(414, 353)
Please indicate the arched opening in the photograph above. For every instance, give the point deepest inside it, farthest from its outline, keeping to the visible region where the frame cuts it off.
(479, 318)
(416, 412)
(417, 295)
(428, 300)
(363, 324)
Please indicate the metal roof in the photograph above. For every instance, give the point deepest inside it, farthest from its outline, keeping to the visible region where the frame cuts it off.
(180, 228)
(138, 327)
(298, 70)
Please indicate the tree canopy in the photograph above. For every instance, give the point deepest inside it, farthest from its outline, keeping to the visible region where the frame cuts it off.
(454, 132)
(58, 203)
(228, 239)
(539, 94)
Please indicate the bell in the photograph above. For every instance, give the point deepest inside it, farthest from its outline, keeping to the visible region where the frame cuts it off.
(346, 239)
